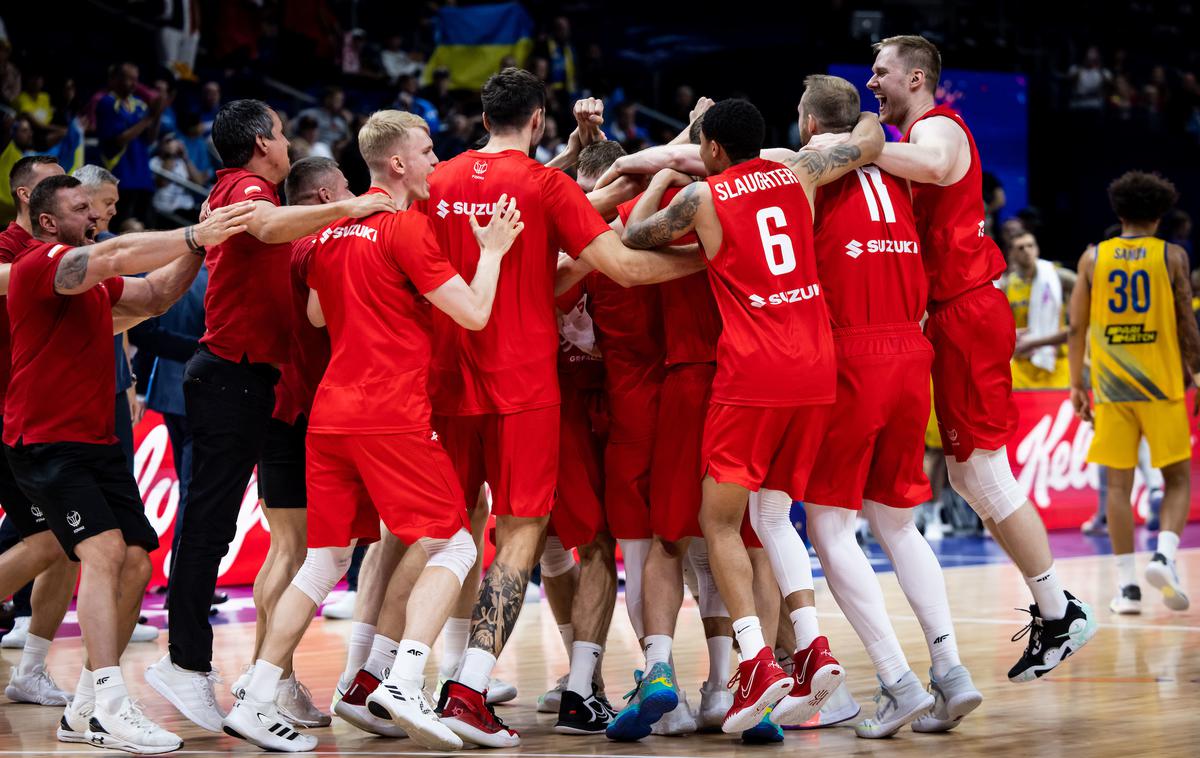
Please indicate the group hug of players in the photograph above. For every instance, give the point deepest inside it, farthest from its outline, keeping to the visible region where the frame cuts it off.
(665, 351)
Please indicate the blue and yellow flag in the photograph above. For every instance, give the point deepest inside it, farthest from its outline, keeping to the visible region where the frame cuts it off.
(69, 150)
(472, 41)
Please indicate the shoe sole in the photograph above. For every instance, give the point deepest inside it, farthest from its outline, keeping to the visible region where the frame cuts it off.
(749, 716)
(1160, 579)
(270, 748)
(155, 681)
(794, 710)
(115, 743)
(504, 696)
(628, 727)
(1125, 610)
(75, 738)
(20, 696)
(562, 728)
(896, 724)
(957, 707)
(1075, 641)
(473, 736)
(416, 729)
(351, 717)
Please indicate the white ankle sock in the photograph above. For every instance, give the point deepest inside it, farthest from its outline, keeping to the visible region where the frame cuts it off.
(263, 682)
(889, 660)
(34, 654)
(85, 690)
(382, 657)
(1126, 570)
(110, 688)
(584, 657)
(454, 644)
(1048, 594)
(476, 669)
(719, 650)
(567, 632)
(362, 636)
(1168, 542)
(410, 661)
(748, 632)
(804, 624)
(658, 649)
(943, 650)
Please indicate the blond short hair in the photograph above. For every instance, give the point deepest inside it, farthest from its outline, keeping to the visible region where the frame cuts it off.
(832, 101)
(916, 52)
(378, 137)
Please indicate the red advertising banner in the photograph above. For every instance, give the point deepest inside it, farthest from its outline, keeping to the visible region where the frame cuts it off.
(1048, 455)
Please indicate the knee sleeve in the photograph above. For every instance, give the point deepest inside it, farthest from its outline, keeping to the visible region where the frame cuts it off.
(770, 515)
(323, 568)
(985, 480)
(457, 554)
(556, 559)
(711, 604)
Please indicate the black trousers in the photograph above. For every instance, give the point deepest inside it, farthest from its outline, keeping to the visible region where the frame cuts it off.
(228, 407)
(181, 451)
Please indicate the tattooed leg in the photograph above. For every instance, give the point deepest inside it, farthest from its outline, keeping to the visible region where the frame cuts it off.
(503, 591)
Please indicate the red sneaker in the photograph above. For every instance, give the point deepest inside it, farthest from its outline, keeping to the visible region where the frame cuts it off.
(466, 713)
(352, 707)
(817, 676)
(760, 684)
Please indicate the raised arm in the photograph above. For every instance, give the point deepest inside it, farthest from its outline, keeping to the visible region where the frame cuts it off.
(589, 115)
(649, 227)
(685, 136)
(283, 223)
(683, 158)
(629, 268)
(471, 306)
(82, 268)
(934, 154)
(1081, 315)
(817, 166)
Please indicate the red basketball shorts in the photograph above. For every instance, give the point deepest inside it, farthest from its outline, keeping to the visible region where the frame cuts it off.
(763, 447)
(973, 338)
(633, 410)
(875, 443)
(515, 453)
(676, 470)
(405, 479)
(578, 514)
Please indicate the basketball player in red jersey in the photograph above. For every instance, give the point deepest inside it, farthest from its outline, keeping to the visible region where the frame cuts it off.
(869, 259)
(775, 378)
(971, 328)
(496, 390)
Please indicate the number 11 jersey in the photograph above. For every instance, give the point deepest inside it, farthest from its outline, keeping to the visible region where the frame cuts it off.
(776, 345)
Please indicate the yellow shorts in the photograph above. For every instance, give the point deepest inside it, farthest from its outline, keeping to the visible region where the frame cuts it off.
(1027, 376)
(1120, 427)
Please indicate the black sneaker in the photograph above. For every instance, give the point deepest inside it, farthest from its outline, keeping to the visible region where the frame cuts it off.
(577, 715)
(1051, 642)
(1128, 601)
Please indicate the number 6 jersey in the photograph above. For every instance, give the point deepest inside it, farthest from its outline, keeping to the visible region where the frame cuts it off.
(776, 346)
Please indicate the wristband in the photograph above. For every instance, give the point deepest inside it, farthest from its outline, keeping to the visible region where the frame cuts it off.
(189, 238)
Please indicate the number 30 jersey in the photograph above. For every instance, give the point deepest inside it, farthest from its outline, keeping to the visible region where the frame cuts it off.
(868, 250)
(1135, 349)
(776, 346)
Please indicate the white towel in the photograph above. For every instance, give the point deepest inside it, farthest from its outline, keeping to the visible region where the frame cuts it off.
(1045, 313)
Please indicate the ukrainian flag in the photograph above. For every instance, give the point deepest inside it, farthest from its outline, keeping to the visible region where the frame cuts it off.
(472, 41)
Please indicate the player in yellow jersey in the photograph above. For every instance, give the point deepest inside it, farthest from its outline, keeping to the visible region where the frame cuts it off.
(1132, 304)
(1035, 289)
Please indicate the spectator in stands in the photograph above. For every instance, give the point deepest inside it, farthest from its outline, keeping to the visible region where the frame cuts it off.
(127, 126)
(455, 139)
(333, 120)
(19, 145)
(170, 198)
(34, 101)
(1089, 81)
(305, 141)
(165, 89)
(994, 200)
(210, 103)
(551, 143)
(1176, 227)
(179, 37)
(10, 75)
(561, 57)
(197, 145)
(408, 99)
(438, 91)
(626, 128)
(1037, 292)
(397, 62)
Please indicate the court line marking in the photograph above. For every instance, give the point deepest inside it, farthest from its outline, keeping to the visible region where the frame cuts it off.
(1017, 621)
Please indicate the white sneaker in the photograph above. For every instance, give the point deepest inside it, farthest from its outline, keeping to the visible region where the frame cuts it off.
(1127, 601)
(73, 725)
(191, 692)
(260, 724)
(715, 702)
(342, 608)
(1163, 576)
(499, 691)
(128, 729)
(405, 703)
(549, 701)
(351, 705)
(15, 639)
(895, 706)
(678, 720)
(238, 688)
(295, 704)
(35, 686)
(144, 633)
(954, 696)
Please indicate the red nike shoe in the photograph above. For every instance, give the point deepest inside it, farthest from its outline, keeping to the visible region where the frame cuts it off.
(760, 684)
(466, 713)
(352, 707)
(817, 676)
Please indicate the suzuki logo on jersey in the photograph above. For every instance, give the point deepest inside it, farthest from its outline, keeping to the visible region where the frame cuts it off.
(854, 248)
(443, 209)
(461, 208)
(481, 168)
(788, 296)
(354, 230)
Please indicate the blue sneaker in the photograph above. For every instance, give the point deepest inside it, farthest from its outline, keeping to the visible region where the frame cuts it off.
(763, 733)
(652, 696)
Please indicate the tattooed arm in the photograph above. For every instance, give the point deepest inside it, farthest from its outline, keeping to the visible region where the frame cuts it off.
(820, 166)
(81, 268)
(1185, 318)
(649, 227)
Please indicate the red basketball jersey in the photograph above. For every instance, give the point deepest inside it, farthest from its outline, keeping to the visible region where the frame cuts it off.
(959, 256)
(776, 347)
(868, 250)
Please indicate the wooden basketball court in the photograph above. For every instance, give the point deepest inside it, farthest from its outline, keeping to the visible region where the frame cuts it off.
(1133, 690)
